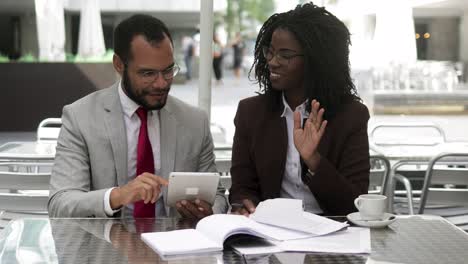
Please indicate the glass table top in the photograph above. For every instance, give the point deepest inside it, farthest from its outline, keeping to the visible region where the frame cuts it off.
(408, 240)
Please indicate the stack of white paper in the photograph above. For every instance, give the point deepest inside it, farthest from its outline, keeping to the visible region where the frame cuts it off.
(180, 242)
(354, 240)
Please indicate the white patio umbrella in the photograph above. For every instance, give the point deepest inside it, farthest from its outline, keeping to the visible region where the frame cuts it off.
(91, 39)
(50, 29)
(394, 37)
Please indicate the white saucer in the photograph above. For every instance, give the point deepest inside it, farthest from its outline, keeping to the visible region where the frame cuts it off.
(355, 218)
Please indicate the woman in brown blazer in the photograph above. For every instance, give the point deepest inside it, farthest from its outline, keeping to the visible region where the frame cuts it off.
(305, 135)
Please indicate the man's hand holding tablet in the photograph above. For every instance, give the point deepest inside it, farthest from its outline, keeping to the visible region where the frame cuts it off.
(192, 193)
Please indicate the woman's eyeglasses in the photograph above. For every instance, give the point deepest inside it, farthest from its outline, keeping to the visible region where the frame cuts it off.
(282, 56)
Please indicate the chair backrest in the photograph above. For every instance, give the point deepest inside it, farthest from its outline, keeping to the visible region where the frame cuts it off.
(224, 167)
(49, 129)
(223, 151)
(15, 199)
(446, 181)
(378, 176)
(410, 134)
(20, 166)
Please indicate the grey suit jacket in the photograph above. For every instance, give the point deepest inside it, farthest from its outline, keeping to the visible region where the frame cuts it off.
(91, 152)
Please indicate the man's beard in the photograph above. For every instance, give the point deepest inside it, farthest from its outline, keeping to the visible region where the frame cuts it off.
(140, 98)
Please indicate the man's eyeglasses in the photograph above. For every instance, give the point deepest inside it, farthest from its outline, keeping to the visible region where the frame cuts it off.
(149, 76)
(282, 56)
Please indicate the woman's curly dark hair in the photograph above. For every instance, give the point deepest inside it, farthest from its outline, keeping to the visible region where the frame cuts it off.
(325, 41)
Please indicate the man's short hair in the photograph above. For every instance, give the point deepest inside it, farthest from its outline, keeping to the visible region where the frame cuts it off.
(153, 29)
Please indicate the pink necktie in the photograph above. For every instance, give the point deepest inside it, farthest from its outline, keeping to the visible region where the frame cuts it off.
(145, 163)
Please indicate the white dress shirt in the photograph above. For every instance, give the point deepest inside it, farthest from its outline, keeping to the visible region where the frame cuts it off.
(132, 127)
(292, 185)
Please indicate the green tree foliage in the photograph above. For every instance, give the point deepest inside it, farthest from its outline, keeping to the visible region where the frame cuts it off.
(259, 9)
(237, 10)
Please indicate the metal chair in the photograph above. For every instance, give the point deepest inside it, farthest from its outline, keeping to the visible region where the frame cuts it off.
(49, 129)
(379, 181)
(223, 151)
(378, 177)
(224, 168)
(25, 194)
(403, 139)
(403, 201)
(445, 189)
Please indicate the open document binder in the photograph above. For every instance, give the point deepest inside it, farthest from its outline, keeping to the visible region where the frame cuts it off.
(211, 232)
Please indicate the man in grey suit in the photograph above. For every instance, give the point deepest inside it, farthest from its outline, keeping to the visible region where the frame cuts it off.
(117, 146)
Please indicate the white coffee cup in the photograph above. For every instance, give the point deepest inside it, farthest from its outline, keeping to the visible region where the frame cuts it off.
(371, 206)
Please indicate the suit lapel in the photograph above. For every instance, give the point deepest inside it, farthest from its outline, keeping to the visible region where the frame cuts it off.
(277, 147)
(168, 126)
(281, 151)
(115, 128)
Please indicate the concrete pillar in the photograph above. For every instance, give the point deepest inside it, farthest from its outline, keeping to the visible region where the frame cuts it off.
(463, 48)
(206, 55)
(68, 33)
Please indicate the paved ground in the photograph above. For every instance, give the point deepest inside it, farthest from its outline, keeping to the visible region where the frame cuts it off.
(226, 97)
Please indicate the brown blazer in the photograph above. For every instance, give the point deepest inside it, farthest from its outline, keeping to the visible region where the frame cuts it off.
(260, 149)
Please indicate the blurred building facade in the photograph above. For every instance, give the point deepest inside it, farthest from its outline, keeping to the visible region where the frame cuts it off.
(19, 28)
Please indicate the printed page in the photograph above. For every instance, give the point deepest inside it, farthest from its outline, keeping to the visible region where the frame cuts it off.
(220, 226)
(353, 240)
(288, 213)
(278, 233)
(180, 242)
(320, 225)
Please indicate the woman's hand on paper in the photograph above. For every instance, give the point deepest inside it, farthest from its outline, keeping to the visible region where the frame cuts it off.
(246, 208)
(196, 209)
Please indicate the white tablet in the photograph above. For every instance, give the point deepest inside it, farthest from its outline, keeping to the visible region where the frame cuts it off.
(192, 185)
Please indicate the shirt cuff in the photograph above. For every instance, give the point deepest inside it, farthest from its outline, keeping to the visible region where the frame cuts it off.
(107, 207)
(107, 231)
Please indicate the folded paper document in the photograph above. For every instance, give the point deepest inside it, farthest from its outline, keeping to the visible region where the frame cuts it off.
(211, 232)
(288, 213)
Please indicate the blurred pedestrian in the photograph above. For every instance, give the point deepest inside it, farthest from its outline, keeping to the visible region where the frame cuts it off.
(238, 46)
(188, 47)
(218, 59)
